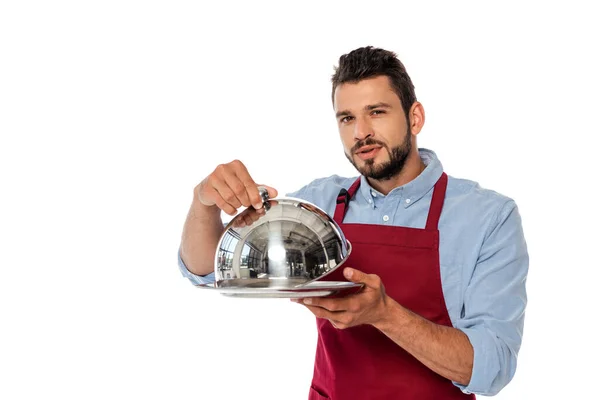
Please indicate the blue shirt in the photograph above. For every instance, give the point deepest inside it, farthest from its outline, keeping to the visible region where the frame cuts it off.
(483, 258)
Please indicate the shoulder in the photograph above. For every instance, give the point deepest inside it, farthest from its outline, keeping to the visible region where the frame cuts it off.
(470, 198)
(469, 189)
(322, 191)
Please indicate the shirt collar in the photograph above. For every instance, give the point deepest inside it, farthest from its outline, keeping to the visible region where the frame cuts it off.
(414, 190)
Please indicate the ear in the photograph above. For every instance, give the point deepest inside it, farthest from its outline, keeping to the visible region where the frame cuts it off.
(417, 117)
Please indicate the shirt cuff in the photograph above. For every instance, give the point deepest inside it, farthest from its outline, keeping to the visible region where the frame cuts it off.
(195, 279)
(486, 365)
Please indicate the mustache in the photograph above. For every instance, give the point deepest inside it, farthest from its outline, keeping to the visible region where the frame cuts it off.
(366, 142)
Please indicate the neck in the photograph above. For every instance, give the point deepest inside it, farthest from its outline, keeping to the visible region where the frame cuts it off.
(412, 168)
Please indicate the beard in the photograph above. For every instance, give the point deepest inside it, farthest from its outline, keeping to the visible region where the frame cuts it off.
(388, 169)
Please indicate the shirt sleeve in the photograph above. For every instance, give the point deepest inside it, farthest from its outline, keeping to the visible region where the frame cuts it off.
(299, 194)
(494, 304)
(195, 279)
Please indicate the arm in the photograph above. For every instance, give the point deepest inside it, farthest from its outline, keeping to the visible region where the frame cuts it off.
(227, 188)
(480, 353)
(201, 232)
(494, 303)
(445, 350)
(487, 337)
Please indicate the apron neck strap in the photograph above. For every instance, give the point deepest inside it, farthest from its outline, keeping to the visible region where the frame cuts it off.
(437, 202)
(342, 201)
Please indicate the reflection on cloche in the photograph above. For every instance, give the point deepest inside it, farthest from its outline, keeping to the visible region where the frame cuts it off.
(288, 243)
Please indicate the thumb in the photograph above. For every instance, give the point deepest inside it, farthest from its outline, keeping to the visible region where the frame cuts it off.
(355, 275)
(272, 191)
(369, 280)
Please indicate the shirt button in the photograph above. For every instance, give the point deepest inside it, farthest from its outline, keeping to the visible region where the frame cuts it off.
(373, 194)
(370, 201)
(407, 201)
(386, 218)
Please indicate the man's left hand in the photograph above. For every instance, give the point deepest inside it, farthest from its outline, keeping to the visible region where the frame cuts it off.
(366, 307)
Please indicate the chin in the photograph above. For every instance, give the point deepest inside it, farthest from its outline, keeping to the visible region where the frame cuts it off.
(372, 162)
(368, 168)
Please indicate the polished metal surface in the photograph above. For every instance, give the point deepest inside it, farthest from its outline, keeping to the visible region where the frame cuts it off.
(311, 289)
(287, 244)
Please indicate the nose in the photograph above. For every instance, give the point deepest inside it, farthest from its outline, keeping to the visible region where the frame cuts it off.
(362, 129)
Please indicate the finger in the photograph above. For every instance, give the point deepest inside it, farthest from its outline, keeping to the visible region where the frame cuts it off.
(247, 189)
(220, 202)
(340, 320)
(356, 276)
(226, 194)
(323, 313)
(236, 189)
(333, 305)
(272, 191)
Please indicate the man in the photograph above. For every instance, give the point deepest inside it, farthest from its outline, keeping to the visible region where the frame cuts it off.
(444, 261)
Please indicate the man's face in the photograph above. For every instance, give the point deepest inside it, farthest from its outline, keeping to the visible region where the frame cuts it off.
(373, 127)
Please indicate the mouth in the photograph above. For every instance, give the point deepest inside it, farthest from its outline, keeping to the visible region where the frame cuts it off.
(367, 152)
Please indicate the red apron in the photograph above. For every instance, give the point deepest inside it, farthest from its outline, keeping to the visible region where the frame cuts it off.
(361, 362)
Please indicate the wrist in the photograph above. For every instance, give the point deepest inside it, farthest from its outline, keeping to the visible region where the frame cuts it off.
(202, 211)
(391, 315)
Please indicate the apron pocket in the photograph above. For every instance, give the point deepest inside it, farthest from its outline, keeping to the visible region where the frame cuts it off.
(315, 395)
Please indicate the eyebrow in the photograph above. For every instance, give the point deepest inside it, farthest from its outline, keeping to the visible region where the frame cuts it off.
(366, 108)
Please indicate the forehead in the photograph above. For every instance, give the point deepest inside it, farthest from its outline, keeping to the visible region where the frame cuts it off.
(352, 96)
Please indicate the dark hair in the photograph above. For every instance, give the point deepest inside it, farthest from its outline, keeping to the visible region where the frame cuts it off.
(370, 62)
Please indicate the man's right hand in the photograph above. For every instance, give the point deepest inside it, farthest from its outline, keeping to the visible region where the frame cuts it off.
(230, 187)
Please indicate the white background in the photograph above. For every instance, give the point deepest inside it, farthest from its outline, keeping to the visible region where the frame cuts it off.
(111, 112)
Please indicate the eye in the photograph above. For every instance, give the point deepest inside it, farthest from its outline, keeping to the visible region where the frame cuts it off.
(346, 119)
(377, 112)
